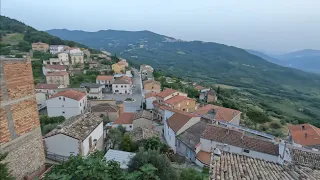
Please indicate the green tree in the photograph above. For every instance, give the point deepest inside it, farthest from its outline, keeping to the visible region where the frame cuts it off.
(147, 172)
(115, 137)
(155, 143)
(92, 167)
(257, 117)
(4, 170)
(155, 158)
(126, 143)
(24, 46)
(191, 174)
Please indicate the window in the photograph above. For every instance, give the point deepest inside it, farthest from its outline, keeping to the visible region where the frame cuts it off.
(59, 98)
(246, 150)
(63, 112)
(81, 111)
(121, 86)
(64, 99)
(187, 102)
(80, 104)
(125, 86)
(303, 128)
(130, 126)
(116, 86)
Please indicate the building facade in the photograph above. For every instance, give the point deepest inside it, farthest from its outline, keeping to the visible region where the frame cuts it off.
(53, 68)
(19, 120)
(106, 81)
(67, 103)
(151, 86)
(54, 49)
(40, 46)
(61, 78)
(118, 68)
(77, 58)
(121, 86)
(63, 58)
(93, 90)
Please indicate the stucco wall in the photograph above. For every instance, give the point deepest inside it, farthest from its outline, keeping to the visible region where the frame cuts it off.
(70, 107)
(206, 145)
(62, 145)
(149, 102)
(170, 137)
(96, 134)
(184, 150)
(236, 120)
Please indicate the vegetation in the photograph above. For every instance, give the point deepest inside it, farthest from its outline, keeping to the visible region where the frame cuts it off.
(4, 169)
(49, 123)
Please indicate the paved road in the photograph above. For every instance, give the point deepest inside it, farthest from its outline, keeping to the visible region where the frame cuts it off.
(136, 94)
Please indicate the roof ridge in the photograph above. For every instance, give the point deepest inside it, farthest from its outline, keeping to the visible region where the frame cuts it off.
(313, 127)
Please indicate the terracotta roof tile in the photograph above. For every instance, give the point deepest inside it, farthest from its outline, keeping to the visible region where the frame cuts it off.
(46, 86)
(204, 157)
(166, 92)
(105, 107)
(125, 118)
(60, 73)
(235, 166)
(178, 120)
(72, 94)
(176, 99)
(305, 134)
(239, 139)
(220, 113)
(305, 157)
(104, 78)
(151, 81)
(56, 67)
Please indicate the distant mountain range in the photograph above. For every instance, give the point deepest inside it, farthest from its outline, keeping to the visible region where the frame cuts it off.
(307, 59)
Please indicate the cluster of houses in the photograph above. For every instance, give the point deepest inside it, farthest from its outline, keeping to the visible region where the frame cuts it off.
(205, 134)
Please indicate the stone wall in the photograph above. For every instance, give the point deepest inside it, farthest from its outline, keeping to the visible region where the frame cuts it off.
(20, 132)
(26, 153)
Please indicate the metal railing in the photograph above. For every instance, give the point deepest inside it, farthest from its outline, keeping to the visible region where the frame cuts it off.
(56, 157)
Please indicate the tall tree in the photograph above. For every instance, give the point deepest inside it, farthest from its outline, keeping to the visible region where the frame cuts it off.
(4, 170)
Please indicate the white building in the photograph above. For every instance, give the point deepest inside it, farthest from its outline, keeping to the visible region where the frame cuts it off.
(63, 58)
(48, 89)
(149, 99)
(67, 103)
(121, 86)
(235, 141)
(93, 90)
(75, 50)
(54, 49)
(126, 120)
(78, 135)
(176, 124)
(105, 81)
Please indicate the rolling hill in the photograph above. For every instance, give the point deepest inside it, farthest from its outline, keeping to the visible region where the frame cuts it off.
(294, 94)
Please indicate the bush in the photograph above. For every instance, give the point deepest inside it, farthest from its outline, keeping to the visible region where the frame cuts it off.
(275, 125)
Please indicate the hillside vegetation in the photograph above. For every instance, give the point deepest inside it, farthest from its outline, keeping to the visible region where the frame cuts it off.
(285, 94)
(16, 37)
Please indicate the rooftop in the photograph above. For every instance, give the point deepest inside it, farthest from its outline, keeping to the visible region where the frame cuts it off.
(105, 107)
(305, 134)
(125, 118)
(166, 92)
(90, 85)
(78, 127)
(191, 136)
(104, 78)
(218, 112)
(198, 87)
(239, 139)
(305, 157)
(143, 114)
(176, 99)
(46, 86)
(56, 67)
(72, 94)
(178, 120)
(121, 157)
(234, 166)
(60, 73)
(151, 81)
(145, 132)
(121, 81)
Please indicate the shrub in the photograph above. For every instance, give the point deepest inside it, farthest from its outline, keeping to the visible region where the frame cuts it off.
(275, 125)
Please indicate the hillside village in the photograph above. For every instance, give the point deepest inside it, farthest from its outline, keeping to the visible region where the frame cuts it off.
(87, 101)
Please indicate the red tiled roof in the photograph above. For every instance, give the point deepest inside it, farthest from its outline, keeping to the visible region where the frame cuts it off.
(176, 99)
(125, 118)
(46, 86)
(308, 136)
(57, 67)
(72, 94)
(151, 81)
(150, 94)
(239, 139)
(199, 87)
(60, 73)
(104, 78)
(178, 120)
(204, 157)
(166, 92)
(221, 113)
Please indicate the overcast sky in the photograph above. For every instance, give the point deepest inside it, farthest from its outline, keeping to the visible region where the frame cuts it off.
(273, 26)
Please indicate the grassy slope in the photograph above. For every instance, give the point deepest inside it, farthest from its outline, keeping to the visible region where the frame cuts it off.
(12, 39)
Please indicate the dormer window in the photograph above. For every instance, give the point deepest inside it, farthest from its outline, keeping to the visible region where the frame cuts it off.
(303, 127)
